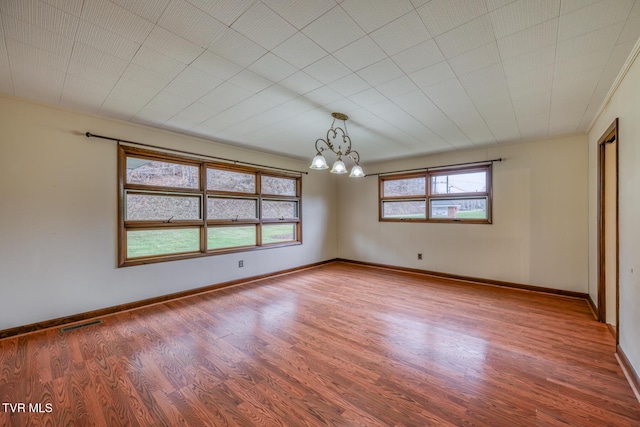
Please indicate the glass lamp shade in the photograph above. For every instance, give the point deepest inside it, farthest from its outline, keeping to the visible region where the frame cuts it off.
(356, 172)
(339, 167)
(319, 162)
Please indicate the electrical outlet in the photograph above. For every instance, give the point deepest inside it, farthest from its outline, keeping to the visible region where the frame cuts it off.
(241, 263)
(419, 256)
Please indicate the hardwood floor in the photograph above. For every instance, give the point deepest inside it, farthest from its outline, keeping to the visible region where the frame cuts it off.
(340, 344)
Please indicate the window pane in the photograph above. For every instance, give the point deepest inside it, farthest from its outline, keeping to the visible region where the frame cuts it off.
(141, 243)
(404, 187)
(140, 207)
(229, 237)
(473, 182)
(278, 186)
(224, 180)
(459, 208)
(278, 233)
(221, 208)
(408, 209)
(164, 174)
(279, 209)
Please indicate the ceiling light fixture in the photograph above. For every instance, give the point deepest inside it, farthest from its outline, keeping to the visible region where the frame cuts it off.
(319, 162)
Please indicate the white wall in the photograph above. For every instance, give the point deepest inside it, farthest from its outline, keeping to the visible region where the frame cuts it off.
(625, 104)
(540, 219)
(58, 218)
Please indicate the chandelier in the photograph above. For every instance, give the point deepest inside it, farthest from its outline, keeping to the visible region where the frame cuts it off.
(319, 162)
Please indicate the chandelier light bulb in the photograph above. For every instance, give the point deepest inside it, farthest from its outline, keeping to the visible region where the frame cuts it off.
(319, 162)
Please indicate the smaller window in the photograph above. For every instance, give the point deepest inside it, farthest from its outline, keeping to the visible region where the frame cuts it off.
(278, 233)
(455, 194)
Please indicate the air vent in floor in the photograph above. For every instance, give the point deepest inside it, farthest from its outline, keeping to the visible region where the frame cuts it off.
(80, 326)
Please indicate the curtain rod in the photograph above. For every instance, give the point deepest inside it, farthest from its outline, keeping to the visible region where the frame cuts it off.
(174, 150)
(481, 162)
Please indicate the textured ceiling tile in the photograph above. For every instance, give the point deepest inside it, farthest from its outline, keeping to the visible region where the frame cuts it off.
(36, 36)
(359, 54)
(236, 48)
(475, 59)
(192, 83)
(108, 42)
(146, 76)
(593, 17)
(216, 65)
(323, 95)
(528, 84)
(523, 14)
(41, 15)
(567, 6)
(117, 20)
(74, 7)
(373, 15)
(79, 91)
(173, 46)
(418, 3)
(397, 87)
(594, 60)
(496, 4)
(263, 26)
(530, 61)
(604, 38)
(344, 30)
(349, 85)
(190, 23)
(381, 72)
(160, 63)
(272, 67)
(147, 9)
(93, 74)
(300, 83)
(487, 85)
(162, 107)
(421, 56)
(98, 59)
(226, 94)
(250, 81)
(300, 13)
(367, 97)
(28, 54)
(225, 11)
(191, 116)
(528, 40)
(279, 94)
(466, 37)
(431, 75)
(327, 69)
(39, 83)
(631, 30)
(299, 50)
(441, 16)
(401, 34)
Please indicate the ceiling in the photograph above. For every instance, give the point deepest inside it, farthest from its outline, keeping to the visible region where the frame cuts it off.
(415, 76)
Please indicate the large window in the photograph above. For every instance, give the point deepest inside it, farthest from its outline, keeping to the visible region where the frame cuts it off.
(444, 195)
(173, 207)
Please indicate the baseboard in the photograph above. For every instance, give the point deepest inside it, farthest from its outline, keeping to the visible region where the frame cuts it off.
(82, 317)
(630, 373)
(479, 280)
(592, 306)
(613, 331)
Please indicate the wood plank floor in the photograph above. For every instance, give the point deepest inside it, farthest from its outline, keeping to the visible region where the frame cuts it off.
(339, 345)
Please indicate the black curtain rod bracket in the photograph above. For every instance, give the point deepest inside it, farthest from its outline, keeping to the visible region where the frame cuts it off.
(189, 153)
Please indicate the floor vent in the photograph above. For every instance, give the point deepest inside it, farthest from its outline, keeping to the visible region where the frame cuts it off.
(80, 326)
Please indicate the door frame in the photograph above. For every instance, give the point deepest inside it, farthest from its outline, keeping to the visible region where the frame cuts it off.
(609, 136)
